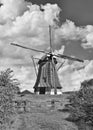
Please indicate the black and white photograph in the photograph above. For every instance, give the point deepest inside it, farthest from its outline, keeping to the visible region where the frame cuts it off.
(46, 64)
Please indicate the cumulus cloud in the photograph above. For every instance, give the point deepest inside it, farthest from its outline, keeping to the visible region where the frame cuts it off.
(89, 69)
(26, 24)
(11, 9)
(30, 25)
(27, 77)
(72, 75)
(69, 31)
(88, 41)
(51, 13)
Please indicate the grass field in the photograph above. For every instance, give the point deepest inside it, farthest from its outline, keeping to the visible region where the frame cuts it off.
(44, 112)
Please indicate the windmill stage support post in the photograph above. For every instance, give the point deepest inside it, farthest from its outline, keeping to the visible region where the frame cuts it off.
(34, 65)
(55, 91)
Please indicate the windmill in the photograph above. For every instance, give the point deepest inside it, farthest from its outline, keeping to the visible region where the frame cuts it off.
(47, 77)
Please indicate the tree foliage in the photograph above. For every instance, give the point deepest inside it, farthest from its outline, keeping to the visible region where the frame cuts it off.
(81, 104)
(8, 89)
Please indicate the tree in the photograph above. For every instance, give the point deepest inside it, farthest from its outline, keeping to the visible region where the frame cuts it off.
(8, 89)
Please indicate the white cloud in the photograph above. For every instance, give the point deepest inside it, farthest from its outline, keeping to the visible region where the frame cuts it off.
(11, 9)
(27, 25)
(89, 69)
(30, 28)
(88, 41)
(70, 31)
(26, 76)
(61, 50)
(71, 78)
(51, 13)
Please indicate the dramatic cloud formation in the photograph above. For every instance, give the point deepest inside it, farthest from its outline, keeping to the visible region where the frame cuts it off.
(70, 31)
(27, 24)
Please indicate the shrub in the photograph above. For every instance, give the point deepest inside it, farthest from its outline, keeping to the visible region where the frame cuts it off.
(8, 89)
(81, 105)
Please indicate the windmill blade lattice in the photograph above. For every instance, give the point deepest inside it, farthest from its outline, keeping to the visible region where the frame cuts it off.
(68, 57)
(32, 49)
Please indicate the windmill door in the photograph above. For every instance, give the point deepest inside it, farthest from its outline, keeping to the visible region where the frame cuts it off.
(42, 90)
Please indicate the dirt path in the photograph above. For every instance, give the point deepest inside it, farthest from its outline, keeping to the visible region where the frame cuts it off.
(43, 122)
(44, 116)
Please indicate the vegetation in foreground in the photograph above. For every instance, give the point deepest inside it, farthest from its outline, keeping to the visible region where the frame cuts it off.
(81, 106)
(33, 112)
(8, 90)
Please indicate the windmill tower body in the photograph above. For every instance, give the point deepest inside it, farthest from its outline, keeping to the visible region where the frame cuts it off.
(47, 77)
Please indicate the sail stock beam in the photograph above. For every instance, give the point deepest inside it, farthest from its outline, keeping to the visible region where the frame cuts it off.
(29, 48)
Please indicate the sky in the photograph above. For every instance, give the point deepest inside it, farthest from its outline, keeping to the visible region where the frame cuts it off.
(25, 23)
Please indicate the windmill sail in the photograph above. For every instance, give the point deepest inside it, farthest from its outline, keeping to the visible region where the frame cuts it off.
(50, 39)
(47, 77)
(68, 57)
(28, 48)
